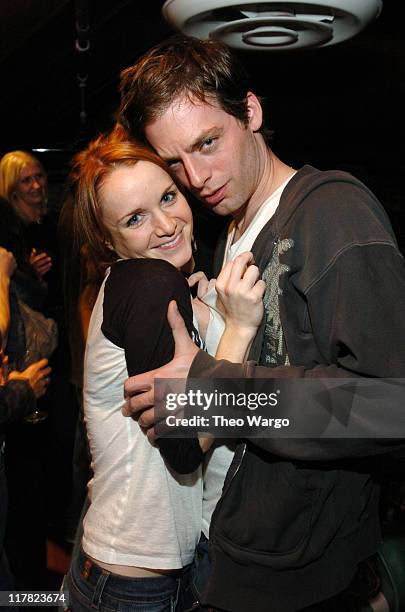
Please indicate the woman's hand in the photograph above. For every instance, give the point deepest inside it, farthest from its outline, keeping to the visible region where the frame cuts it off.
(41, 263)
(202, 280)
(7, 263)
(37, 375)
(240, 291)
(201, 310)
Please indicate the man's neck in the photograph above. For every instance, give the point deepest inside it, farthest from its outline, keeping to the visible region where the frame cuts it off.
(274, 173)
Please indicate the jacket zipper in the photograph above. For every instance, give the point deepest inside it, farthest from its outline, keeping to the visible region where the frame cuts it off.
(232, 477)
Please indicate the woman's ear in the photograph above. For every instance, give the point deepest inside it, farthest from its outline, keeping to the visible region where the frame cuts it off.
(255, 112)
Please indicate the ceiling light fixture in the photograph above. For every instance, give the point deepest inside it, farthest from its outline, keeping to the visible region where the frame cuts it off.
(268, 25)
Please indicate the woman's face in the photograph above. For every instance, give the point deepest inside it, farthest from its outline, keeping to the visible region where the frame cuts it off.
(146, 215)
(29, 197)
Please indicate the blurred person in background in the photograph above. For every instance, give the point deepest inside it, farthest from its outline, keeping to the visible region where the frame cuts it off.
(24, 194)
(24, 184)
(18, 394)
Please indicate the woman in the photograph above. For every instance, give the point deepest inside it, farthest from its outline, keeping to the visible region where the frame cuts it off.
(144, 520)
(24, 184)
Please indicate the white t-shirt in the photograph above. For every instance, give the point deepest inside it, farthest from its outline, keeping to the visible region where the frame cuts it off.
(217, 462)
(141, 513)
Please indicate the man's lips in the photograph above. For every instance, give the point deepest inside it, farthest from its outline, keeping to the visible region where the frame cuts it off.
(215, 197)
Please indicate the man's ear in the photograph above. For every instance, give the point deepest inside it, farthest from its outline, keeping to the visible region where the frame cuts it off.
(255, 112)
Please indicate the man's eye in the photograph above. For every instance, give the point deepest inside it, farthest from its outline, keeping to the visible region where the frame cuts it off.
(134, 220)
(208, 142)
(169, 197)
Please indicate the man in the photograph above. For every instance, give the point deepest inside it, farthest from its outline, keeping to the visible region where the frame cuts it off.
(297, 516)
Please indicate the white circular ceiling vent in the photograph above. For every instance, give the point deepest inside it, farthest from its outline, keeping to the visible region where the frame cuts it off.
(267, 25)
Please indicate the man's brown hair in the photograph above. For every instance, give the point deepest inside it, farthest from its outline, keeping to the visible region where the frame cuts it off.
(202, 70)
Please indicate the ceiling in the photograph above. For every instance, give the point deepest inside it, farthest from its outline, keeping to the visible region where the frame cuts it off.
(339, 106)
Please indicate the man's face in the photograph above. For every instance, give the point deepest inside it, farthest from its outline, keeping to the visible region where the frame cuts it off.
(213, 154)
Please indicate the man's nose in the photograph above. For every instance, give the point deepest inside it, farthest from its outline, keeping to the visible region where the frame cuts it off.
(197, 171)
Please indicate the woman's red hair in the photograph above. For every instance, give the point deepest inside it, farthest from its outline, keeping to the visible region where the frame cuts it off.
(90, 168)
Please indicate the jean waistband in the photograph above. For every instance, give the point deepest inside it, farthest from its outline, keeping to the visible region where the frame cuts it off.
(91, 572)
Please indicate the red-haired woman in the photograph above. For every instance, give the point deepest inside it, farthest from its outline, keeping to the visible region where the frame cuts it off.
(144, 520)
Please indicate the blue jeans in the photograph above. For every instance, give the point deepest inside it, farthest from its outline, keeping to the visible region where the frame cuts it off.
(195, 579)
(89, 587)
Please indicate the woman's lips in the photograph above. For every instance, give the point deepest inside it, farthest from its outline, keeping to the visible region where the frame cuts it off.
(36, 196)
(172, 244)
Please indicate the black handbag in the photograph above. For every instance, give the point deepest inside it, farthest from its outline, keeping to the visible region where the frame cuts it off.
(41, 333)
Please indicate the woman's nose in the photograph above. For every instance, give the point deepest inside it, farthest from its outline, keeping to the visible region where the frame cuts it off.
(165, 225)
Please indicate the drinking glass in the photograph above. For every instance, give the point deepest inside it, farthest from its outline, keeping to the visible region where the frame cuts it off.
(27, 359)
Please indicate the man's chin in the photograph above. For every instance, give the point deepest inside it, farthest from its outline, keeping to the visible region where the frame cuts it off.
(220, 209)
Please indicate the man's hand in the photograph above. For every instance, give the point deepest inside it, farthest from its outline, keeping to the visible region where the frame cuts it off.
(139, 390)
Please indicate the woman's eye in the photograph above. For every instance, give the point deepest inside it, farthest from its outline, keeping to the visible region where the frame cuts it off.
(134, 220)
(169, 197)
